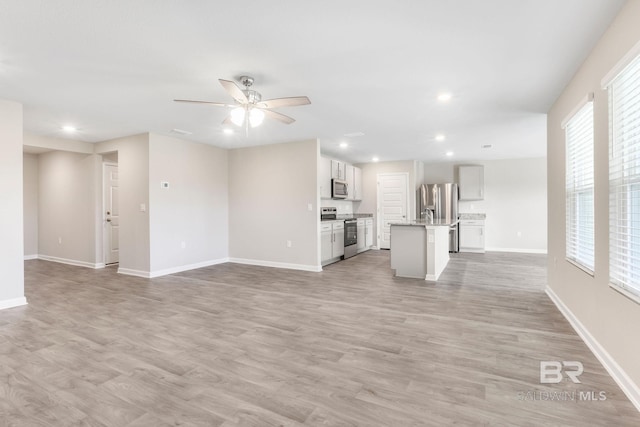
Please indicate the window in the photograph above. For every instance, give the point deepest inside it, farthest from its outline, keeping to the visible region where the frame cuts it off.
(624, 178)
(579, 187)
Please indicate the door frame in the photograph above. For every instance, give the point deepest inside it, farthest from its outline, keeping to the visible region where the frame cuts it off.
(105, 240)
(378, 199)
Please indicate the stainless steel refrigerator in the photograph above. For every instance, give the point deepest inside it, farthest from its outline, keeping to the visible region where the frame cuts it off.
(442, 201)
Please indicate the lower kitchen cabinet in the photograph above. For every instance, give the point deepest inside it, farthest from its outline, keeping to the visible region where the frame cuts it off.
(472, 236)
(331, 241)
(368, 233)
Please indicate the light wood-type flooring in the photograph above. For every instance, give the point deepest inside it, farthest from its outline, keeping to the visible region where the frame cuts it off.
(234, 345)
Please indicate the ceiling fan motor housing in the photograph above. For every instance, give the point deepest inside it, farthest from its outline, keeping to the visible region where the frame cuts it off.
(252, 96)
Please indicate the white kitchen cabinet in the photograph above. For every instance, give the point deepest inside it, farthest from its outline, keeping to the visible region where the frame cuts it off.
(338, 239)
(350, 187)
(357, 183)
(338, 170)
(331, 241)
(471, 182)
(361, 236)
(368, 233)
(472, 236)
(326, 241)
(324, 177)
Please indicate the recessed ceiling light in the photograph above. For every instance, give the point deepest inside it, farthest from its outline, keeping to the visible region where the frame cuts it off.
(375, 159)
(69, 129)
(181, 132)
(440, 137)
(228, 131)
(449, 153)
(343, 145)
(444, 97)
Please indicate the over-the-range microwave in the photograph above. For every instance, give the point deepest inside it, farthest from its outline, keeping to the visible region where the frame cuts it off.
(339, 189)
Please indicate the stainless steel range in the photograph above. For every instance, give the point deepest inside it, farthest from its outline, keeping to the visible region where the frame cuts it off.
(350, 237)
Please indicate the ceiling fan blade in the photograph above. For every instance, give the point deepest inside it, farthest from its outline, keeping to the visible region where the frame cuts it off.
(234, 91)
(279, 117)
(217, 104)
(284, 102)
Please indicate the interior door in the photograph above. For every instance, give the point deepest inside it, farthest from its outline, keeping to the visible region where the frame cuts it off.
(111, 214)
(392, 204)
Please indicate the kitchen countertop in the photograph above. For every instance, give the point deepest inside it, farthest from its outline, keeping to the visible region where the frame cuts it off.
(436, 223)
(342, 217)
(473, 216)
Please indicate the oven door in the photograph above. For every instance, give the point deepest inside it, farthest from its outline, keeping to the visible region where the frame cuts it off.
(350, 238)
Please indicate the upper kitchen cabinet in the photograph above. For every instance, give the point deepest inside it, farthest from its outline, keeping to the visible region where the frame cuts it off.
(350, 186)
(471, 182)
(325, 167)
(357, 183)
(338, 170)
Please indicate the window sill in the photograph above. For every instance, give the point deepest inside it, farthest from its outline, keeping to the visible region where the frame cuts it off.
(632, 296)
(580, 266)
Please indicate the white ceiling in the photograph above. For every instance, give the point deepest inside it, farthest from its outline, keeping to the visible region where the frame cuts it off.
(112, 68)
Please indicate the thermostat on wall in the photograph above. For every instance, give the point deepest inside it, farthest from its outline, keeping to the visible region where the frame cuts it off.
(164, 184)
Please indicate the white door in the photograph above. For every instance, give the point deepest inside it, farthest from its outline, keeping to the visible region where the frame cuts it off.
(392, 204)
(111, 214)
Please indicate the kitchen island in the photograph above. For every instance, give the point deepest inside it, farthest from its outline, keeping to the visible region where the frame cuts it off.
(420, 249)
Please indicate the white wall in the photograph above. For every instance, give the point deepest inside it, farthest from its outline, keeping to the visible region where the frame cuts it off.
(11, 220)
(66, 226)
(133, 182)
(515, 201)
(193, 210)
(30, 204)
(270, 188)
(607, 318)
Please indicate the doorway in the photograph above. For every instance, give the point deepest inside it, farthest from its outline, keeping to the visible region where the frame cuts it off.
(393, 204)
(111, 214)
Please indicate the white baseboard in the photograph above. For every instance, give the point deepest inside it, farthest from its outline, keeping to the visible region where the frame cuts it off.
(71, 261)
(28, 257)
(14, 302)
(131, 272)
(517, 250)
(181, 268)
(302, 267)
(630, 388)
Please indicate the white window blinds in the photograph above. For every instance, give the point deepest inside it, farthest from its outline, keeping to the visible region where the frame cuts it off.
(579, 188)
(624, 178)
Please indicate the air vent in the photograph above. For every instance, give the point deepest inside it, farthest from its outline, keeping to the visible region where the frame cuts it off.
(181, 132)
(354, 134)
(487, 146)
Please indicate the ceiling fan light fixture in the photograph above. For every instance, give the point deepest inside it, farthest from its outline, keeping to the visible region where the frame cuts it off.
(237, 116)
(256, 117)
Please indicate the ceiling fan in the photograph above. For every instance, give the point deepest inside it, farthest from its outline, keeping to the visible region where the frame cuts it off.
(250, 109)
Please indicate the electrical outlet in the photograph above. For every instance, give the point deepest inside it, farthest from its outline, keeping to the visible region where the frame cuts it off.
(183, 245)
(143, 207)
(164, 184)
(519, 233)
(288, 243)
(310, 207)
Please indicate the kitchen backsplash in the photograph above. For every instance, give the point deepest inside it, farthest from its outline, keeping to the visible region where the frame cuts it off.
(343, 206)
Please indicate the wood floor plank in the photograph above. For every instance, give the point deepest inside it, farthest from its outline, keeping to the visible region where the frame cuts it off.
(235, 345)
